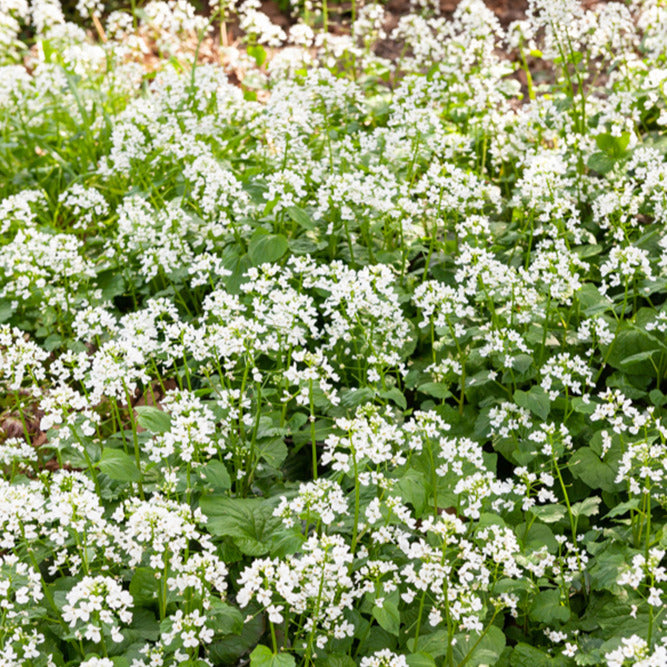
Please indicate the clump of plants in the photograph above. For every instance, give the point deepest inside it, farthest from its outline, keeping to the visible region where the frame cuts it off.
(311, 356)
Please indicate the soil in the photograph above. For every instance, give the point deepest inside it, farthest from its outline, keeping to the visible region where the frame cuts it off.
(339, 12)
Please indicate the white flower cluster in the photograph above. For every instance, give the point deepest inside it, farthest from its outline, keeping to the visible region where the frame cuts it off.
(97, 606)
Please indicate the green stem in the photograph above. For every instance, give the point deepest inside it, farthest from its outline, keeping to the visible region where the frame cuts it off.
(135, 439)
(468, 655)
(312, 430)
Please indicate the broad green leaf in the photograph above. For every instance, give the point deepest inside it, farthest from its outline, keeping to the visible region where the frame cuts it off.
(355, 397)
(622, 508)
(248, 521)
(434, 643)
(536, 536)
(522, 362)
(611, 145)
(262, 656)
(412, 489)
(657, 398)
(6, 310)
(629, 343)
(337, 660)
(144, 586)
(228, 650)
(486, 652)
(588, 507)
(396, 395)
(549, 513)
(582, 406)
(215, 473)
(388, 617)
(634, 358)
(285, 543)
(267, 248)
(586, 465)
(435, 389)
(273, 451)
(420, 659)
(227, 619)
(614, 617)
(238, 267)
(111, 282)
(257, 52)
(547, 608)
(376, 640)
(525, 655)
(601, 162)
(301, 218)
(535, 400)
(145, 626)
(153, 419)
(606, 567)
(118, 465)
(592, 301)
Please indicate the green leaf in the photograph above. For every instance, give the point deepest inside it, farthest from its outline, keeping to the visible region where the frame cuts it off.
(153, 419)
(52, 342)
(228, 620)
(522, 362)
(622, 508)
(273, 451)
(118, 465)
(535, 399)
(248, 521)
(144, 626)
(582, 406)
(227, 651)
(615, 147)
(6, 310)
(301, 218)
(420, 659)
(586, 465)
(524, 655)
(111, 282)
(388, 617)
(216, 475)
(606, 568)
(601, 163)
(546, 608)
(588, 507)
(144, 586)
(657, 398)
(592, 301)
(266, 248)
(238, 267)
(486, 652)
(634, 358)
(396, 395)
(631, 343)
(337, 660)
(549, 513)
(355, 397)
(262, 656)
(434, 389)
(536, 536)
(434, 643)
(258, 53)
(614, 616)
(411, 486)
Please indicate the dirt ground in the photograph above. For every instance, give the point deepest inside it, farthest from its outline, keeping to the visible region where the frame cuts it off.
(506, 10)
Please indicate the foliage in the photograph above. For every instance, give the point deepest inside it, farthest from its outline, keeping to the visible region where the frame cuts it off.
(313, 357)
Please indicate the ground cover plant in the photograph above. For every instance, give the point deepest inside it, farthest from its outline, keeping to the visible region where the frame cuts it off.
(312, 356)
